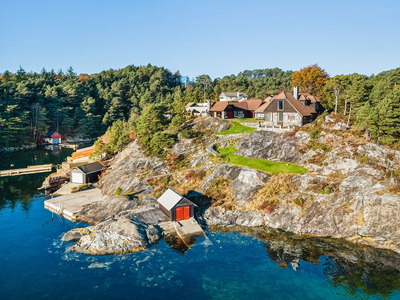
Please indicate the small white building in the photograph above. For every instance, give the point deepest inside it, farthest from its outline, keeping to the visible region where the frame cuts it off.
(232, 96)
(199, 109)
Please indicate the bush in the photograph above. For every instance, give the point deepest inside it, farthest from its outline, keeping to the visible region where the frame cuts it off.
(315, 133)
(363, 158)
(326, 190)
(188, 133)
(118, 191)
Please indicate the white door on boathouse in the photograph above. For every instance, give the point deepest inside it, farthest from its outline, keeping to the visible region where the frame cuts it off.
(77, 178)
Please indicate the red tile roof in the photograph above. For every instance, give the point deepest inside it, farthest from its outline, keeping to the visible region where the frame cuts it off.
(220, 106)
(263, 107)
(252, 104)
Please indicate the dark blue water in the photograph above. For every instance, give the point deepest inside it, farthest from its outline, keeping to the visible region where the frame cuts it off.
(34, 264)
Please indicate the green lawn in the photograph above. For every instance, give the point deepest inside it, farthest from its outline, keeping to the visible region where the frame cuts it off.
(260, 164)
(238, 128)
(246, 120)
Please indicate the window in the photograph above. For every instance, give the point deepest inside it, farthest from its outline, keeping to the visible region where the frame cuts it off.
(280, 105)
(267, 117)
(316, 105)
(280, 117)
(291, 117)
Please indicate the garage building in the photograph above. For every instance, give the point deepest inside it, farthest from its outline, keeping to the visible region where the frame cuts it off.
(175, 206)
(87, 173)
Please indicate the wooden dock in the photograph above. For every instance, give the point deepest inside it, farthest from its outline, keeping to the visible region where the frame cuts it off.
(28, 170)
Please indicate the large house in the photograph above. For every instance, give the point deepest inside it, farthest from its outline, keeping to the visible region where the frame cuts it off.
(233, 96)
(289, 109)
(230, 110)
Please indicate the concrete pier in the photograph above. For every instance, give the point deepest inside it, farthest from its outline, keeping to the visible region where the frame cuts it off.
(69, 205)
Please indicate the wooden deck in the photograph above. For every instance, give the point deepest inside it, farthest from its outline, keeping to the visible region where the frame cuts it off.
(28, 170)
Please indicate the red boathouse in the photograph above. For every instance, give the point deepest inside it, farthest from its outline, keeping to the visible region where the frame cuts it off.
(175, 206)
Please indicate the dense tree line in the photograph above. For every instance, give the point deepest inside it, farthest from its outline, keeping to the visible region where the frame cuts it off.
(32, 103)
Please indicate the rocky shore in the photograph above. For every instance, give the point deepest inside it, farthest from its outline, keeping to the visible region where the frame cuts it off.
(349, 192)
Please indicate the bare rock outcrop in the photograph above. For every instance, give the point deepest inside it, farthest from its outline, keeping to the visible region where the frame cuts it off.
(271, 145)
(113, 237)
(129, 172)
(245, 181)
(210, 123)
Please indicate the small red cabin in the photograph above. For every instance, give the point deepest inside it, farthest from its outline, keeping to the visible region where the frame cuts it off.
(175, 206)
(53, 137)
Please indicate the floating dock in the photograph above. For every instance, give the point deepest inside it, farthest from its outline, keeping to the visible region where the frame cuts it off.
(69, 205)
(28, 170)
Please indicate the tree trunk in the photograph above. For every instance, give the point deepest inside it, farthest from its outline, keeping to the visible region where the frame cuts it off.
(348, 120)
(345, 107)
(337, 98)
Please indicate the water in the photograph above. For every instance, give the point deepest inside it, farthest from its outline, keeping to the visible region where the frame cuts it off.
(35, 264)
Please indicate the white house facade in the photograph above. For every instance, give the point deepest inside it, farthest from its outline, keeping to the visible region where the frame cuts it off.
(232, 96)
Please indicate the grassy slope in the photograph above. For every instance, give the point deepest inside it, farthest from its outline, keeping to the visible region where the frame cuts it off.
(260, 164)
(239, 128)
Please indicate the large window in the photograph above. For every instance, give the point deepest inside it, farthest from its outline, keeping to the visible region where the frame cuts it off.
(280, 105)
(268, 117)
(280, 117)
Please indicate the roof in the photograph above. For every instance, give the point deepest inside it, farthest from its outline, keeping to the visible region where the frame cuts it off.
(263, 107)
(307, 96)
(252, 104)
(233, 94)
(190, 104)
(91, 168)
(170, 198)
(220, 106)
(50, 133)
(302, 109)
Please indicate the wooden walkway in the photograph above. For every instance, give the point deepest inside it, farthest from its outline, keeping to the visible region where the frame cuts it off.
(28, 170)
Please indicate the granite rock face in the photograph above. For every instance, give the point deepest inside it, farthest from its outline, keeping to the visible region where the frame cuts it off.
(245, 181)
(130, 170)
(210, 123)
(271, 145)
(113, 237)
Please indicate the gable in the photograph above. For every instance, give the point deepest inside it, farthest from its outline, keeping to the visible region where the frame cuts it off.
(273, 106)
(171, 199)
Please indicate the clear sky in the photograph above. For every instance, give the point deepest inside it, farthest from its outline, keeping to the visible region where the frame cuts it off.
(217, 38)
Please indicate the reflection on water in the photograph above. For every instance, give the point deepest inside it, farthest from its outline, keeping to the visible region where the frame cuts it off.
(35, 264)
(356, 269)
(20, 189)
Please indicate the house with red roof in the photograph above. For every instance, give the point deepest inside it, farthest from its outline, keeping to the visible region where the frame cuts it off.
(231, 110)
(289, 109)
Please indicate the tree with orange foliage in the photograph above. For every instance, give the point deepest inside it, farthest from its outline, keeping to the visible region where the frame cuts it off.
(311, 79)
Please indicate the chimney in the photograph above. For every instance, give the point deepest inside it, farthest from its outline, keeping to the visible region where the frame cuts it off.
(238, 93)
(296, 92)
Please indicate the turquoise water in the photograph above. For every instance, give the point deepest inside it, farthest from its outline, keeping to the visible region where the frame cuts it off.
(35, 264)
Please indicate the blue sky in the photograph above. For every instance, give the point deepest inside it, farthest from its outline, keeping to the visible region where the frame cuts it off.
(200, 37)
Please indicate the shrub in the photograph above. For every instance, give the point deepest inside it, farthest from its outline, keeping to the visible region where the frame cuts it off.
(188, 133)
(299, 201)
(118, 191)
(325, 163)
(326, 190)
(74, 188)
(363, 159)
(240, 118)
(315, 133)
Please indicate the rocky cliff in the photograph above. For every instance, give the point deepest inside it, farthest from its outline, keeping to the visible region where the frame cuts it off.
(349, 192)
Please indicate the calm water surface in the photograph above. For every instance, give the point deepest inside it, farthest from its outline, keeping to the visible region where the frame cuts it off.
(34, 264)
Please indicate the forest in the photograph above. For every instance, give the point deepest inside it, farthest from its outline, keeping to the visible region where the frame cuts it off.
(133, 100)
